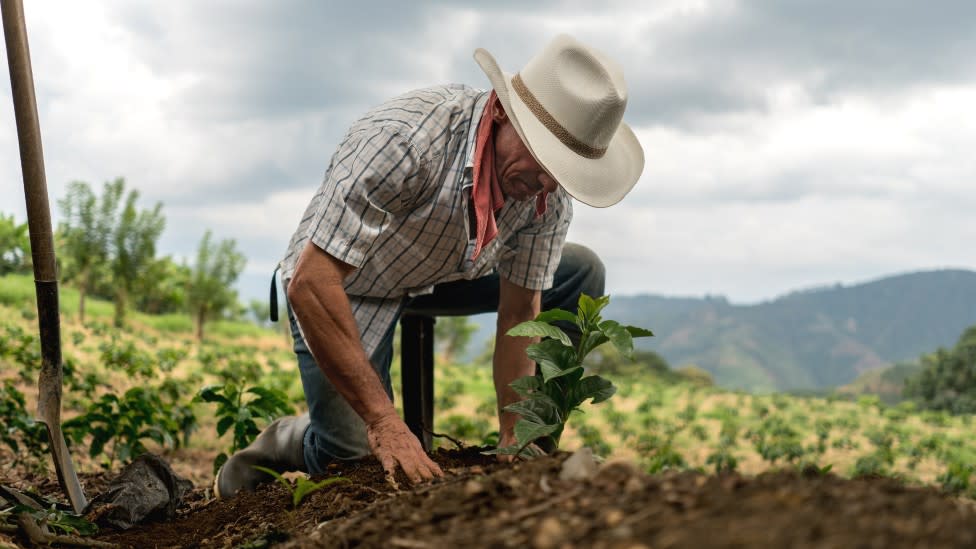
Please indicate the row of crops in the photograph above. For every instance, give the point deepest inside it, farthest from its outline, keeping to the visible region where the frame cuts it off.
(146, 389)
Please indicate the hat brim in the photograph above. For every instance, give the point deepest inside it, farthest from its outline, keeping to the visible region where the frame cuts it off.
(598, 182)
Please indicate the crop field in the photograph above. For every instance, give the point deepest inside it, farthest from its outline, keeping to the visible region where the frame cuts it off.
(153, 387)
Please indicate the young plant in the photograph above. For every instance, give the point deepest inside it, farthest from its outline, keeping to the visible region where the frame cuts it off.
(302, 487)
(18, 431)
(559, 385)
(125, 421)
(239, 408)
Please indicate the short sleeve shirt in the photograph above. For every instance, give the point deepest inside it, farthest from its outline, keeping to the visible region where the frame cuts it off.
(394, 204)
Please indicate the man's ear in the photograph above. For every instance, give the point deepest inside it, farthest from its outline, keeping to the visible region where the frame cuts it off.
(498, 114)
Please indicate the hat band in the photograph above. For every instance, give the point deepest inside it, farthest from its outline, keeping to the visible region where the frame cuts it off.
(552, 124)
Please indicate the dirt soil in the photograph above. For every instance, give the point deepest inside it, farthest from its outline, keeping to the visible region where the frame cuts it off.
(486, 504)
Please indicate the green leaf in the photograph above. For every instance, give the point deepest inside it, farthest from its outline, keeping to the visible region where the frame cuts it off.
(533, 328)
(540, 410)
(554, 358)
(73, 524)
(528, 431)
(619, 336)
(525, 386)
(561, 373)
(277, 476)
(525, 408)
(556, 315)
(224, 424)
(595, 387)
(305, 487)
(589, 309)
(638, 332)
(219, 462)
(210, 394)
(591, 341)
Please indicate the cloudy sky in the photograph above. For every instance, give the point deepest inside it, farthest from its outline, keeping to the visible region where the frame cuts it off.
(789, 144)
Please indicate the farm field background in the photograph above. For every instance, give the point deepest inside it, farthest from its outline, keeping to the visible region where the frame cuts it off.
(137, 388)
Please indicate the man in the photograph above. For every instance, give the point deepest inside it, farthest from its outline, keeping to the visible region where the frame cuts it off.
(445, 200)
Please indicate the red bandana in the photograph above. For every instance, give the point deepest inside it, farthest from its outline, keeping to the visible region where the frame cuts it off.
(486, 192)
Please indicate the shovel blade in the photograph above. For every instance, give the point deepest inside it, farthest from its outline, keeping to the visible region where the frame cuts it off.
(49, 413)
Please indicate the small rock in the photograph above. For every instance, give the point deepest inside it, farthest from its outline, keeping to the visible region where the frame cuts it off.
(621, 532)
(579, 466)
(549, 534)
(633, 485)
(613, 517)
(473, 488)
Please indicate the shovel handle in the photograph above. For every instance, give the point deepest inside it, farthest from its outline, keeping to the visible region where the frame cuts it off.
(42, 243)
(29, 139)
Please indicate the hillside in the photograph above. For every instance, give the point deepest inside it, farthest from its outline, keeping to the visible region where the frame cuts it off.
(806, 340)
(810, 339)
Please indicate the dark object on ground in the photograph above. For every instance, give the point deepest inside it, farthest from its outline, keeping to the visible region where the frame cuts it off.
(147, 489)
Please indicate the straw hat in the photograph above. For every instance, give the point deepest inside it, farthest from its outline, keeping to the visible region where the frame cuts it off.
(567, 105)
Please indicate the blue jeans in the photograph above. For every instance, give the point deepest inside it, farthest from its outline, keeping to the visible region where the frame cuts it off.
(337, 432)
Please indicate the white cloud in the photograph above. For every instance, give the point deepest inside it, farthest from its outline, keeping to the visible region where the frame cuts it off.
(827, 147)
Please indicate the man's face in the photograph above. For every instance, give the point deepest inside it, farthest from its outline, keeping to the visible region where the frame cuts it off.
(519, 174)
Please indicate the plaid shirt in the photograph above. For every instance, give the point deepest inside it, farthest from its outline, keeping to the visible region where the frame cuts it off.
(394, 204)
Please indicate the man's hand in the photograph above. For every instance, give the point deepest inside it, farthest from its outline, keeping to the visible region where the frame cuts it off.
(393, 444)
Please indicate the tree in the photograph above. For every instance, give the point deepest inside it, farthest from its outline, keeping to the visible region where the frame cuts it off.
(209, 292)
(161, 288)
(948, 378)
(14, 246)
(452, 335)
(85, 235)
(133, 248)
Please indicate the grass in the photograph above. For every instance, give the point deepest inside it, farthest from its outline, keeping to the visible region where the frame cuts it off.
(16, 290)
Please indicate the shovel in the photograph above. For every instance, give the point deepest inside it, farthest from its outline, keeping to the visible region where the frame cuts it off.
(42, 246)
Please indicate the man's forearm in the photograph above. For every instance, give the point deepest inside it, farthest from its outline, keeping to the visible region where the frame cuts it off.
(509, 363)
(322, 309)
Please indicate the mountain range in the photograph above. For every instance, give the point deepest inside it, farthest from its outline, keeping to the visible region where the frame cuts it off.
(811, 339)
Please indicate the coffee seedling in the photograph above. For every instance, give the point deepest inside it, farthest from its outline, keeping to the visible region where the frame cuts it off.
(302, 487)
(559, 385)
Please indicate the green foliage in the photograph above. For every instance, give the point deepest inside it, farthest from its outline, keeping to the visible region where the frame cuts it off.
(108, 244)
(723, 460)
(209, 291)
(659, 452)
(947, 381)
(462, 427)
(870, 465)
(51, 518)
(956, 478)
(23, 348)
(774, 439)
(452, 335)
(303, 486)
(125, 422)
(239, 408)
(85, 237)
(17, 290)
(559, 386)
(15, 251)
(162, 287)
(133, 248)
(25, 438)
(123, 355)
(593, 438)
